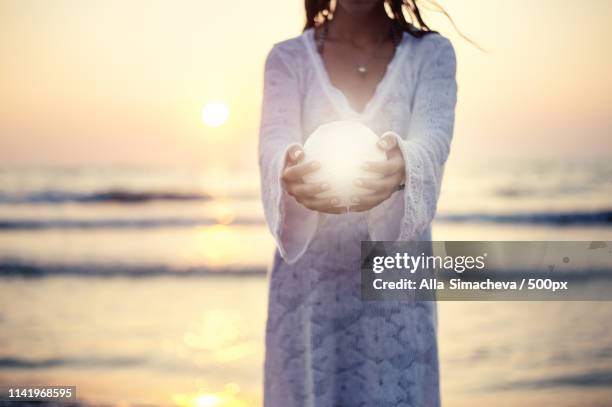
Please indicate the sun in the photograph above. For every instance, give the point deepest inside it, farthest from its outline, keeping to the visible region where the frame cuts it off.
(215, 113)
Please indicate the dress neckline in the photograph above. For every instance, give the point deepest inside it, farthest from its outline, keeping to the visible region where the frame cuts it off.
(336, 96)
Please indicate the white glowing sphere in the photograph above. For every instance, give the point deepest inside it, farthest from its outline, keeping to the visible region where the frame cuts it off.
(342, 147)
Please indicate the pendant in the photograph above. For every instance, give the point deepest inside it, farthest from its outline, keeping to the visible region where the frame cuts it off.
(362, 69)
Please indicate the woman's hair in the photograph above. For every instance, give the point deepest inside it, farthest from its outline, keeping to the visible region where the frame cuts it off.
(404, 13)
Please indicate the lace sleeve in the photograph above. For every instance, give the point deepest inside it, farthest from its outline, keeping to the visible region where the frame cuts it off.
(291, 224)
(425, 148)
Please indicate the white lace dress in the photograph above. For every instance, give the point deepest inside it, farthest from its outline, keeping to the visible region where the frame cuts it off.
(325, 347)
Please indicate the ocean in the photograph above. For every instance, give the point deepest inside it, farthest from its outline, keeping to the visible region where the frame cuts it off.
(147, 286)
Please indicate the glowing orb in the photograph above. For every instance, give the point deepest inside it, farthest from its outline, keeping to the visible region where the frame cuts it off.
(342, 147)
(215, 113)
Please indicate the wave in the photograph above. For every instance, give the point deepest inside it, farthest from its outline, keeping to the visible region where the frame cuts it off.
(21, 363)
(592, 379)
(97, 362)
(20, 268)
(145, 223)
(595, 218)
(17, 267)
(120, 196)
(603, 217)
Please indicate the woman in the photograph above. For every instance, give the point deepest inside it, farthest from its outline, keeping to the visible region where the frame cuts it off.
(324, 345)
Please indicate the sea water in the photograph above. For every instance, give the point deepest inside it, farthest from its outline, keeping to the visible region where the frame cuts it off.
(143, 285)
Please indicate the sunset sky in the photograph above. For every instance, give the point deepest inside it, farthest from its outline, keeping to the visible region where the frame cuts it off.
(107, 81)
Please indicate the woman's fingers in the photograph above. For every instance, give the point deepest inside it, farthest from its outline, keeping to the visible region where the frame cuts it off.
(388, 167)
(327, 205)
(295, 154)
(387, 142)
(363, 208)
(395, 160)
(379, 185)
(368, 201)
(296, 172)
(306, 190)
(335, 210)
(381, 189)
(359, 208)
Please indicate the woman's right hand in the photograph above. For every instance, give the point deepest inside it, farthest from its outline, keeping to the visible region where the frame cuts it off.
(304, 192)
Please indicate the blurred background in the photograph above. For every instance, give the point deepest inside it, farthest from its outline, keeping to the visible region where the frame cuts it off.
(133, 251)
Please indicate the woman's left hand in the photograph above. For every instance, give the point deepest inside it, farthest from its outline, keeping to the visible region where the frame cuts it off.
(393, 175)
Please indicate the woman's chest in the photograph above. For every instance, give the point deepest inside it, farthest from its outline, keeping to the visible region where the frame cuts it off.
(390, 110)
(356, 74)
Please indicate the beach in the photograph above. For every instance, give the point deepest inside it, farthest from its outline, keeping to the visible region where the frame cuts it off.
(168, 340)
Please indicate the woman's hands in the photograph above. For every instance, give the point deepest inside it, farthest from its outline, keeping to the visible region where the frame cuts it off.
(393, 171)
(305, 193)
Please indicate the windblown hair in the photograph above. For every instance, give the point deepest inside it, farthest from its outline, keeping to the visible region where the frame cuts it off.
(404, 13)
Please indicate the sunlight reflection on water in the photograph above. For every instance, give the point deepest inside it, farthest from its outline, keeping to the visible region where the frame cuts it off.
(218, 335)
(228, 397)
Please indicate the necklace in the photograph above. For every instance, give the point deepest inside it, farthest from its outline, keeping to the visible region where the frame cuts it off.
(360, 67)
